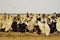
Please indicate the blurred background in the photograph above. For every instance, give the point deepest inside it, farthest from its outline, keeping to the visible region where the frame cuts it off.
(31, 6)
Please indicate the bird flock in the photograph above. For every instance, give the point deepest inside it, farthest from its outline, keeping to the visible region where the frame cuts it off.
(39, 23)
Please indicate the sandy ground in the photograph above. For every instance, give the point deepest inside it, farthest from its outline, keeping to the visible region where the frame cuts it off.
(28, 36)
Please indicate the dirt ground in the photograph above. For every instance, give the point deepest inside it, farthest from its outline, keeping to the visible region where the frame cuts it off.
(28, 36)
